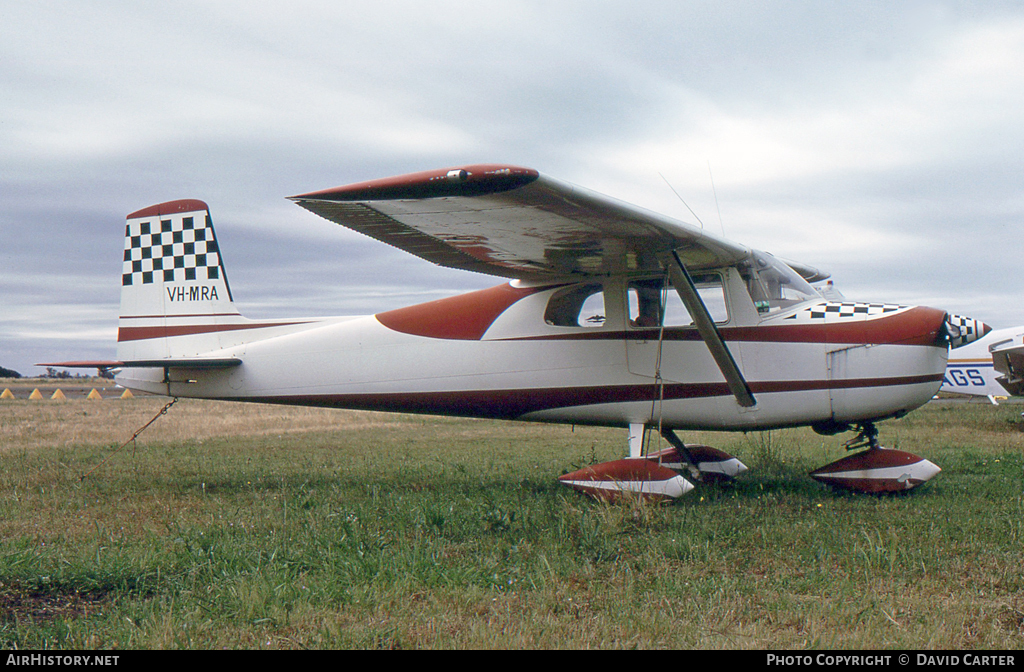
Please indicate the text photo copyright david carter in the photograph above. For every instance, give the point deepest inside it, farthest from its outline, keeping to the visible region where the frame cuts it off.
(893, 659)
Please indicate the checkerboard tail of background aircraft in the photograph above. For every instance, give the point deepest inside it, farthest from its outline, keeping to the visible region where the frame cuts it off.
(608, 314)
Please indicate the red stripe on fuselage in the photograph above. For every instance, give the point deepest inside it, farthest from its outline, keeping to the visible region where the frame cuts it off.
(142, 333)
(176, 316)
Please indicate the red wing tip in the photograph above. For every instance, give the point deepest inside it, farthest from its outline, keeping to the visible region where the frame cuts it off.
(170, 208)
(470, 180)
(85, 364)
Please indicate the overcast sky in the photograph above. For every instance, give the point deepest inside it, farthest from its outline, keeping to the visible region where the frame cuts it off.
(881, 141)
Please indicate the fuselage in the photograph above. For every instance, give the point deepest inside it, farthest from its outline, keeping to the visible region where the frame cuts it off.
(570, 352)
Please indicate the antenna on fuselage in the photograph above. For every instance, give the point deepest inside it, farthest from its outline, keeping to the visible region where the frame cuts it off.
(713, 191)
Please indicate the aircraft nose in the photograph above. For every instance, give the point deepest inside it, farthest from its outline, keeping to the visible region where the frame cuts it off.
(963, 330)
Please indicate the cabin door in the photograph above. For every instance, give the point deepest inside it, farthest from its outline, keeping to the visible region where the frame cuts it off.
(661, 338)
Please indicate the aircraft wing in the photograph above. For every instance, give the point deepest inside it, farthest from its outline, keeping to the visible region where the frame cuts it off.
(1008, 359)
(516, 223)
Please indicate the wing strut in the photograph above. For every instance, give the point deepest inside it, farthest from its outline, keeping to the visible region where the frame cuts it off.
(683, 283)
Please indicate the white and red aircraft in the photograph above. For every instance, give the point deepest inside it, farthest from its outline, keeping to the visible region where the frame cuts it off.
(613, 316)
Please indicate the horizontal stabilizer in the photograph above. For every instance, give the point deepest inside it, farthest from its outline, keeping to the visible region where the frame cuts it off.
(170, 363)
(83, 364)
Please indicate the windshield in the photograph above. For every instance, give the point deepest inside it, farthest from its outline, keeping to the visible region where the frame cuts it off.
(773, 285)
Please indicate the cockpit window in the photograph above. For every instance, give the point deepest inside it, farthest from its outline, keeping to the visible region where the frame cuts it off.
(576, 306)
(772, 284)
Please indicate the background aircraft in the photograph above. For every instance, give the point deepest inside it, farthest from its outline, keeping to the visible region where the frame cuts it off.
(991, 366)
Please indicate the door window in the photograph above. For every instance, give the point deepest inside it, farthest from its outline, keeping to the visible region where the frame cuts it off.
(650, 298)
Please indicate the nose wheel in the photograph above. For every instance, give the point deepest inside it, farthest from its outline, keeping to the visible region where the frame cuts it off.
(867, 437)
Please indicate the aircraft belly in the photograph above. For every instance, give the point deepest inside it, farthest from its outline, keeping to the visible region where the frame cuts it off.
(719, 412)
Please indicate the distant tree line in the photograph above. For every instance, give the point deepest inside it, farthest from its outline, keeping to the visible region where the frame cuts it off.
(54, 373)
(64, 374)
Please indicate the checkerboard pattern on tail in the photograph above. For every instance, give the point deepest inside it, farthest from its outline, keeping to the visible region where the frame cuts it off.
(170, 248)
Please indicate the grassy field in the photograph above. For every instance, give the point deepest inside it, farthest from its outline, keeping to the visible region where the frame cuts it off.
(257, 526)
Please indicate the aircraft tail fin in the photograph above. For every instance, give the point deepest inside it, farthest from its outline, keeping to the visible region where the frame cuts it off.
(173, 283)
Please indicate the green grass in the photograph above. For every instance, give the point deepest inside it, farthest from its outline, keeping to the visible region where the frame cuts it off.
(403, 532)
